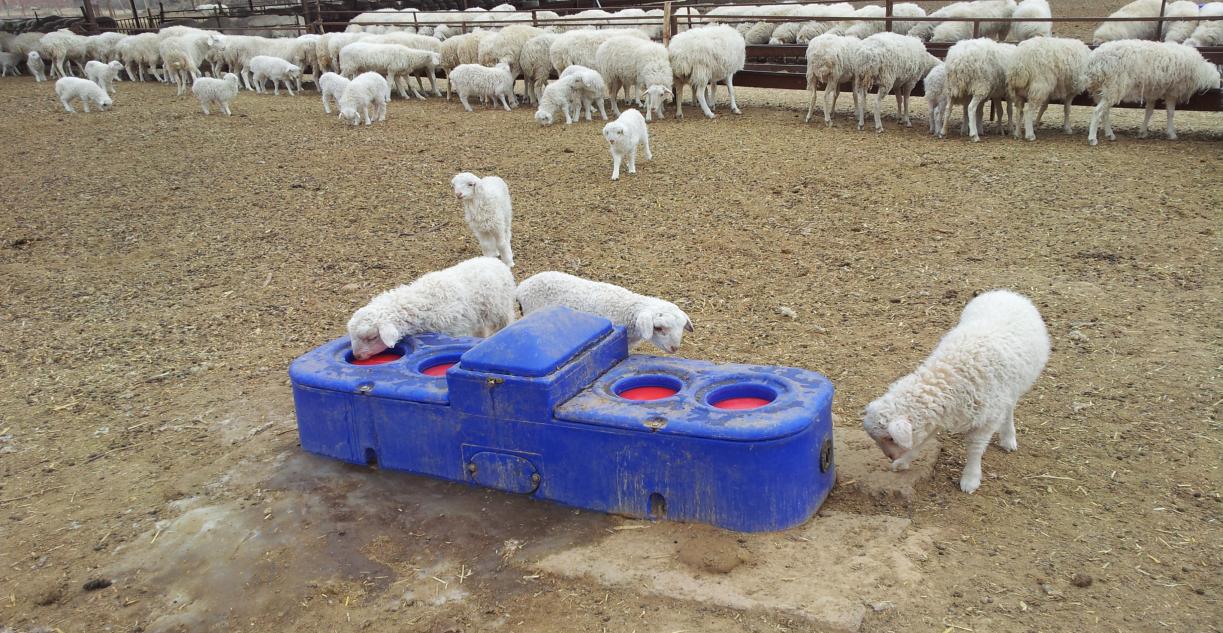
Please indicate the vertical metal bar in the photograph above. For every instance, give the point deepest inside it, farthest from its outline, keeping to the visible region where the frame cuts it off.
(135, 15)
(91, 20)
(976, 29)
(1159, 29)
(887, 12)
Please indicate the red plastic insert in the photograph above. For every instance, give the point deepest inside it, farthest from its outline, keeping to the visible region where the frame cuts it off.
(438, 369)
(648, 393)
(741, 403)
(379, 358)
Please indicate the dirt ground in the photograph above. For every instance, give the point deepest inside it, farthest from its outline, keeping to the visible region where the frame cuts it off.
(159, 270)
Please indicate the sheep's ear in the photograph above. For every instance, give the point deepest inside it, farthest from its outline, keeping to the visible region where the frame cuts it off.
(901, 432)
(645, 325)
(389, 334)
(688, 325)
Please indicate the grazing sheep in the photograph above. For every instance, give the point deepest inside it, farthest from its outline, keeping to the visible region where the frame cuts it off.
(488, 212)
(471, 298)
(1208, 32)
(863, 29)
(9, 61)
(889, 62)
(506, 44)
(623, 136)
(1180, 30)
(831, 60)
(366, 90)
(102, 46)
(142, 52)
(25, 43)
(956, 31)
(397, 62)
(630, 61)
(761, 32)
(564, 95)
(331, 86)
(34, 62)
(645, 318)
(328, 48)
(69, 88)
(933, 86)
(461, 49)
(219, 91)
(535, 65)
(265, 67)
(976, 73)
(702, 57)
(1146, 72)
(64, 47)
(590, 88)
(473, 80)
(1045, 69)
(808, 31)
(969, 384)
(1021, 31)
(418, 42)
(103, 74)
(578, 48)
(181, 57)
(1113, 31)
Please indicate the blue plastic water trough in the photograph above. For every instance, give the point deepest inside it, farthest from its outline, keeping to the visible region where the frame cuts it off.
(554, 407)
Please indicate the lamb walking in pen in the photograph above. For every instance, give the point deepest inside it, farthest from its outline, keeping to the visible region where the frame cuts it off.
(222, 92)
(969, 384)
(488, 212)
(33, 61)
(623, 136)
(367, 90)
(645, 318)
(1145, 72)
(104, 75)
(590, 89)
(265, 67)
(69, 88)
(702, 57)
(976, 73)
(889, 62)
(564, 95)
(934, 87)
(1045, 69)
(473, 80)
(831, 61)
(471, 298)
(331, 86)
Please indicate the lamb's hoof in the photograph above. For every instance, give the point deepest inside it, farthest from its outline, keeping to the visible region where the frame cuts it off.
(736, 111)
(1111, 137)
(1093, 142)
(976, 139)
(898, 466)
(1008, 446)
(1030, 137)
(1142, 134)
(1171, 137)
(1067, 131)
(879, 130)
(615, 178)
(970, 484)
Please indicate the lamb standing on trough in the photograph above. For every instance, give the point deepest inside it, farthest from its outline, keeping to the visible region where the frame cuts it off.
(471, 298)
(365, 91)
(34, 61)
(1044, 69)
(473, 80)
(264, 67)
(103, 74)
(219, 91)
(969, 384)
(645, 318)
(623, 136)
(700, 59)
(331, 86)
(69, 88)
(488, 212)
(1146, 72)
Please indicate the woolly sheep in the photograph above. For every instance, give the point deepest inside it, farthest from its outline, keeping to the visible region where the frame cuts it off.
(488, 212)
(645, 318)
(831, 61)
(815, 28)
(1208, 32)
(363, 92)
(264, 67)
(239, 51)
(760, 32)
(473, 80)
(414, 41)
(64, 47)
(506, 45)
(26, 43)
(181, 57)
(578, 48)
(397, 62)
(590, 88)
(564, 95)
(69, 88)
(1146, 72)
(976, 73)
(9, 61)
(1180, 30)
(219, 91)
(331, 86)
(535, 65)
(1021, 31)
(863, 29)
(327, 49)
(461, 49)
(34, 61)
(471, 298)
(702, 57)
(933, 87)
(102, 46)
(629, 61)
(140, 51)
(6, 41)
(890, 62)
(786, 32)
(955, 31)
(969, 384)
(623, 136)
(103, 74)
(1112, 31)
(1044, 69)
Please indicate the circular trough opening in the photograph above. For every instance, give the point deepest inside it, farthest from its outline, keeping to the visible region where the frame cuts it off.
(651, 387)
(380, 358)
(741, 397)
(437, 366)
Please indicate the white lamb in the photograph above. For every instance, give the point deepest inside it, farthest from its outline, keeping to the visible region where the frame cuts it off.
(1139, 30)
(34, 62)
(488, 212)
(969, 384)
(331, 86)
(397, 63)
(9, 61)
(535, 65)
(471, 298)
(976, 73)
(265, 67)
(702, 57)
(1146, 72)
(365, 91)
(623, 136)
(69, 88)
(590, 87)
(564, 95)
(831, 60)
(956, 31)
(1032, 9)
(103, 74)
(1180, 30)
(934, 87)
(645, 318)
(890, 62)
(473, 80)
(1045, 69)
(630, 61)
(1208, 32)
(219, 91)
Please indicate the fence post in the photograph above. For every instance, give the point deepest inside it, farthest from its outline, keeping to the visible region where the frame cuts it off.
(669, 23)
(976, 29)
(887, 12)
(135, 15)
(161, 13)
(1159, 29)
(318, 17)
(216, 14)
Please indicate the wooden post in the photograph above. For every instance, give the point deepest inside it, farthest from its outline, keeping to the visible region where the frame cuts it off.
(135, 15)
(976, 29)
(318, 18)
(887, 12)
(91, 20)
(669, 25)
(1159, 29)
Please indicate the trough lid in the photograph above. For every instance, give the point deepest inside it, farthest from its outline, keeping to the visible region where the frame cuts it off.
(538, 344)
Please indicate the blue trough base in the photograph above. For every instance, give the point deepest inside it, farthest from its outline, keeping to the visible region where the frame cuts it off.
(534, 410)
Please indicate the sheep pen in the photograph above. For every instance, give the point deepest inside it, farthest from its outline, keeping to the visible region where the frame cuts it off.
(152, 303)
